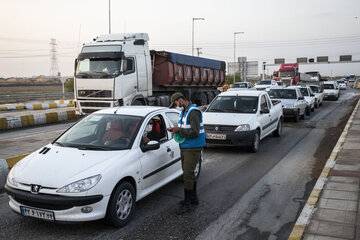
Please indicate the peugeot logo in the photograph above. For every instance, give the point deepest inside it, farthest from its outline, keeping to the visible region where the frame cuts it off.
(35, 189)
(216, 128)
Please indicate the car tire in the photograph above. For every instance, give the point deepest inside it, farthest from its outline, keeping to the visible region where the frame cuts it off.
(121, 205)
(303, 116)
(307, 111)
(278, 130)
(255, 143)
(316, 105)
(313, 108)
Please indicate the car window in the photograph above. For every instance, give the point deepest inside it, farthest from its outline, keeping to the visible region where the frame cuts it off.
(315, 89)
(263, 103)
(283, 93)
(304, 91)
(173, 117)
(155, 130)
(329, 86)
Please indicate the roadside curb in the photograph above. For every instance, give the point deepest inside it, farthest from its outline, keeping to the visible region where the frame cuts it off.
(309, 208)
(35, 119)
(40, 106)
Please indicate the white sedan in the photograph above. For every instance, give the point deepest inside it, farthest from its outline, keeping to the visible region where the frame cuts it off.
(99, 167)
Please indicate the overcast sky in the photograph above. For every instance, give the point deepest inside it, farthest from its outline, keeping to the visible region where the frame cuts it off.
(272, 29)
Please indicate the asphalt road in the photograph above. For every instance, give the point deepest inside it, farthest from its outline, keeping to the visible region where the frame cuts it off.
(243, 195)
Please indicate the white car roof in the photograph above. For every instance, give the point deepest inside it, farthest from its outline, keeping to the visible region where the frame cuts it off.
(329, 82)
(141, 111)
(241, 93)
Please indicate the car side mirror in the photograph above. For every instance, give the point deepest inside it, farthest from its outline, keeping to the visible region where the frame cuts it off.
(264, 111)
(152, 145)
(301, 98)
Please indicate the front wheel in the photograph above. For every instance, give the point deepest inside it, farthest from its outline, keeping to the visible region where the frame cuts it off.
(121, 205)
(254, 147)
(307, 111)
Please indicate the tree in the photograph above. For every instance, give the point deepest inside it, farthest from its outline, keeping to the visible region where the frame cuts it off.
(230, 78)
(69, 85)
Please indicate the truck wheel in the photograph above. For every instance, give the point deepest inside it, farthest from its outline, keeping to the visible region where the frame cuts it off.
(121, 205)
(254, 147)
(202, 99)
(210, 96)
(278, 130)
(137, 102)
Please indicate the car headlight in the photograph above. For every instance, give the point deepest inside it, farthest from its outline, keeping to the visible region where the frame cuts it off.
(242, 128)
(289, 106)
(81, 185)
(11, 179)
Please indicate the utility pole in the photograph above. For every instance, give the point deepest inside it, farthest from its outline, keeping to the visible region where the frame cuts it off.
(192, 43)
(54, 68)
(235, 33)
(109, 19)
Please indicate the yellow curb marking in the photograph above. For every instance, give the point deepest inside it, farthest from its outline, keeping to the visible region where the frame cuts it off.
(297, 232)
(53, 105)
(338, 144)
(314, 197)
(3, 123)
(37, 106)
(71, 114)
(20, 107)
(27, 120)
(51, 117)
(11, 161)
(3, 108)
(325, 172)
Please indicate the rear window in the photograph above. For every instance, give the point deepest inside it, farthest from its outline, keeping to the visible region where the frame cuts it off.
(329, 86)
(282, 93)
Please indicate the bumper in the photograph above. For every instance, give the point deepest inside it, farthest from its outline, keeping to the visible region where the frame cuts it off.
(64, 208)
(287, 112)
(329, 96)
(232, 138)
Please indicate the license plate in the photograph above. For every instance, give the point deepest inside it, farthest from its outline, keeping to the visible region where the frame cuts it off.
(36, 213)
(216, 136)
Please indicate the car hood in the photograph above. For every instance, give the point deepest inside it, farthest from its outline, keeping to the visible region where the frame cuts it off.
(285, 101)
(230, 119)
(63, 165)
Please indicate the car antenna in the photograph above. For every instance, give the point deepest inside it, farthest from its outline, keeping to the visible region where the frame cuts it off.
(117, 109)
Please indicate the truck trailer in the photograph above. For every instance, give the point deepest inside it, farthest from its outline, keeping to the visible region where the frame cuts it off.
(120, 70)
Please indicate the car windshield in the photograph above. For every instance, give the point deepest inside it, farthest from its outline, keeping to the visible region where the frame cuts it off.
(234, 104)
(313, 74)
(340, 81)
(264, 82)
(304, 91)
(282, 93)
(287, 73)
(239, 85)
(315, 89)
(101, 132)
(329, 86)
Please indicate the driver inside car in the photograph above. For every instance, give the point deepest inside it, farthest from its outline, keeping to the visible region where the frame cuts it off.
(152, 131)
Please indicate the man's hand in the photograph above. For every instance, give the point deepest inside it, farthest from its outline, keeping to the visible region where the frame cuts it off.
(174, 130)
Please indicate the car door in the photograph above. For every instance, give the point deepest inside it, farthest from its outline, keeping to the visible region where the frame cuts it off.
(264, 118)
(156, 164)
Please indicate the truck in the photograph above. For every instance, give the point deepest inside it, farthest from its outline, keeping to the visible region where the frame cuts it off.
(120, 70)
(289, 74)
(315, 75)
(242, 118)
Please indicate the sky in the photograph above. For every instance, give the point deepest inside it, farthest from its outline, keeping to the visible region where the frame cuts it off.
(272, 29)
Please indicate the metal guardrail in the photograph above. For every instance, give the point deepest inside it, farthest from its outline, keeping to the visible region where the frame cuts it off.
(43, 95)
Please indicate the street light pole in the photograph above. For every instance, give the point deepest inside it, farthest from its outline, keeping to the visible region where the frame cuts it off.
(192, 45)
(109, 19)
(234, 52)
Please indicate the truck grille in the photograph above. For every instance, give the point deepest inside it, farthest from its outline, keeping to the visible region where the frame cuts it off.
(95, 93)
(95, 104)
(220, 128)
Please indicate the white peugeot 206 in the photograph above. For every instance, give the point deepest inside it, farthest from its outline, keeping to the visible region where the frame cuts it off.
(99, 167)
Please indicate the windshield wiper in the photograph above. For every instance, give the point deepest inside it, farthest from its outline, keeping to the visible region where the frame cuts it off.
(91, 147)
(103, 74)
(215, 110)
(57, 143)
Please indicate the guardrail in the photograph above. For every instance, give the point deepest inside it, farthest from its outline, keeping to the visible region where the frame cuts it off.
(43, 95)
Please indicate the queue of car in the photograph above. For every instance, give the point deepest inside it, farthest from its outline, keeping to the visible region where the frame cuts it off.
(101, 166)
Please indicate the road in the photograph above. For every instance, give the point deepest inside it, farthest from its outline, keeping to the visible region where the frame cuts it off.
(243, 195)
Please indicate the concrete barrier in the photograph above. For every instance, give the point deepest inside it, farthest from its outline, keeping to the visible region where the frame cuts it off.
(39, 106)
(4, 170)
(35, 119)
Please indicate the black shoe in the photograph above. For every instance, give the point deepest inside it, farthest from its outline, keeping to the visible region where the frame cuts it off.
(194, 200)
(186, 206)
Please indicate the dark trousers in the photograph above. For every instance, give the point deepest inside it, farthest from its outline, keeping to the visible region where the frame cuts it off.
(189, 159)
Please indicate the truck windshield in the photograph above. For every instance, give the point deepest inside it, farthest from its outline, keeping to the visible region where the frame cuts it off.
(287, 73)
(313, 74)
(234, 104)
(101, 132)
(98, 68)
(282, 93)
